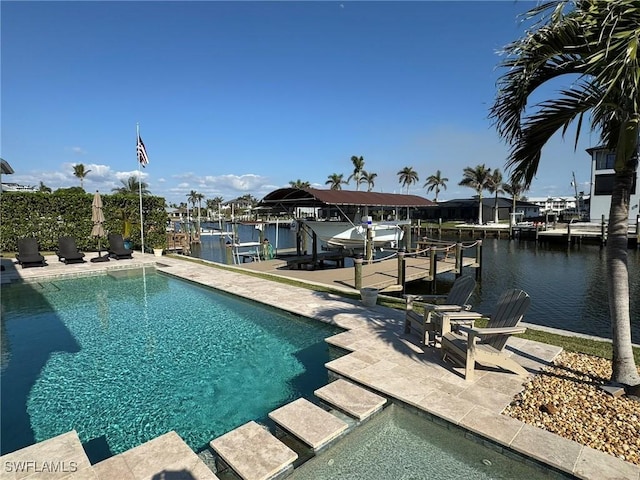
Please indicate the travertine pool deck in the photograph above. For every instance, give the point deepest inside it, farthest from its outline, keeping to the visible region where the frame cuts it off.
(382, 359)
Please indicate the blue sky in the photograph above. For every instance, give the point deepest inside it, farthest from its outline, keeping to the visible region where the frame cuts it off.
(243, 97)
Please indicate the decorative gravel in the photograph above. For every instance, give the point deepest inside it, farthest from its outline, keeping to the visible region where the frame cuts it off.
(565, 399)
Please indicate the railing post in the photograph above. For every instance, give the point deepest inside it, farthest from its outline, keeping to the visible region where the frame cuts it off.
(458, 267)
(229, 253)
(479, 260)
(368, 245)
(433, 268)
(603, 233)
(569, 232)
(637, 231)
(401, 267)
(357, 265)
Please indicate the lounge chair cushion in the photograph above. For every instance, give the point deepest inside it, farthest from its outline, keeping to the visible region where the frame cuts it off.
(116, 247)
(68, 251)
(28, 254)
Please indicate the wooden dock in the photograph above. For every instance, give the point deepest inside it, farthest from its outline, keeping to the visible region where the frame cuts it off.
(385, 275)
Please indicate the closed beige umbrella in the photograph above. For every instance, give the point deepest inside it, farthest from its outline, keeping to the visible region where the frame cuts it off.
(97, 217)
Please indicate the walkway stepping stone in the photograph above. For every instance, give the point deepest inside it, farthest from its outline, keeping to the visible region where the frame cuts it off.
(166, 456)
(351, 399)
(308, 422)
(253, 453)
(58, 457)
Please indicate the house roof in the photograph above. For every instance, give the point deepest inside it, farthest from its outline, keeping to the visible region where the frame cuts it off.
(312, 197)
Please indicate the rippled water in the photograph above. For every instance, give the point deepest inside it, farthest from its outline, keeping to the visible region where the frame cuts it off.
(123, 360)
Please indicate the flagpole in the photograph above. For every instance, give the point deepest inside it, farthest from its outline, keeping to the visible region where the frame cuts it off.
(140, 187)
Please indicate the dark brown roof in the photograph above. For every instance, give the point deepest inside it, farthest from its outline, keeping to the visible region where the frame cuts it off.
(312, 197)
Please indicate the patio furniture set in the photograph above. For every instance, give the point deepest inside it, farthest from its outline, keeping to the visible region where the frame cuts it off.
(448, 322)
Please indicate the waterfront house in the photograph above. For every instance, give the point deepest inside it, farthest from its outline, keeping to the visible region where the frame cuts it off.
(602, 175)
(466, 210)
(563, 207)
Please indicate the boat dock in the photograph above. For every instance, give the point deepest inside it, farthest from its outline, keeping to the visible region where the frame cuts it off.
(387, 275)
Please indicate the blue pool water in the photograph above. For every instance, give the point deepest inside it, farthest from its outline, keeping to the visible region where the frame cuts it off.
(125, 358)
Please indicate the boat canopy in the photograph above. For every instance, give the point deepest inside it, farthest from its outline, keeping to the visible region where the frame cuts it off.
(312, 197)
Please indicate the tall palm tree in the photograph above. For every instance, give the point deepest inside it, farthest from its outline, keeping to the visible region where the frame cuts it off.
(369, 179)
(476, 178)
(335, 181)
(494, 186)
(195, 198)
(213, 205)
(299, 184)
(80, 172)
(595, 43)
(131, 185)
(407, 177)
(515, 189)
(436, 182)
(358, 169)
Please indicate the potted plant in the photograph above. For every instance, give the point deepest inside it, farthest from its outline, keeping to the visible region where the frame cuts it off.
(126, 229)
(158, 241)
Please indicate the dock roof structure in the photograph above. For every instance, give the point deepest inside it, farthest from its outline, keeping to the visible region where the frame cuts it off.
(312, 197)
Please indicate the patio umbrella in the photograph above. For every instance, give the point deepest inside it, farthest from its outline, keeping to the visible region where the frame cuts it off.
(97, 217)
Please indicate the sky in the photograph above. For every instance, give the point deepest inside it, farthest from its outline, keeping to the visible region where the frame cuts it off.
(236, 98)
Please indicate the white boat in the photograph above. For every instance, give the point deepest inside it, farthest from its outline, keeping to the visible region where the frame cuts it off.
(346, 234)
(214, 231)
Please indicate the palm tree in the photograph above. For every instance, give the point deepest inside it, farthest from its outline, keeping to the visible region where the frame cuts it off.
(369, 179)
(476, 178)
(80, 172)
(595, 42)
(494, 185)
(515, 189)
(407, 177)
(436, 182)
(299, 184)
(213, 205)
(43, 188)
(358, 169)
(195, 198)
(335, 181)
(132, 186)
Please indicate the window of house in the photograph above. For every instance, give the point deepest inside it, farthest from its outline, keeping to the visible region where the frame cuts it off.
(604, 185)
(605, 160)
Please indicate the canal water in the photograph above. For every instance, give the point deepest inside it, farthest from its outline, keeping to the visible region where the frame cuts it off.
(567, 284)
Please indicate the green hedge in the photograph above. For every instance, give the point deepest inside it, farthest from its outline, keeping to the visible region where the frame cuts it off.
(48, 216)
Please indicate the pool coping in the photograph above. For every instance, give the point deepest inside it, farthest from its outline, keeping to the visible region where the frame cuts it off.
(383, 359)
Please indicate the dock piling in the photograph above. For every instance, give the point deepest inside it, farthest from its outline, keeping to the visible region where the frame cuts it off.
(401, 268)
(357, 267)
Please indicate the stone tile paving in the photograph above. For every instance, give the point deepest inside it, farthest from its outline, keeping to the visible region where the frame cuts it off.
(384, 359)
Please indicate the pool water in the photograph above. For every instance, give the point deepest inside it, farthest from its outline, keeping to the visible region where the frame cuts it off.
(124, 358)
(400, 445)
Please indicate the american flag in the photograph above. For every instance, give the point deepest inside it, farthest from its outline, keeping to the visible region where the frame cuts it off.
(142, 153)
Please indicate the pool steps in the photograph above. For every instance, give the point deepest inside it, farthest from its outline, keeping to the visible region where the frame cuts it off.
(250, 450)
(308, 422)
(253, 452)
(351, 399)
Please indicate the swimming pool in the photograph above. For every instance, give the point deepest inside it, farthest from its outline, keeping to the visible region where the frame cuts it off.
(125, 357)
(399, 444)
